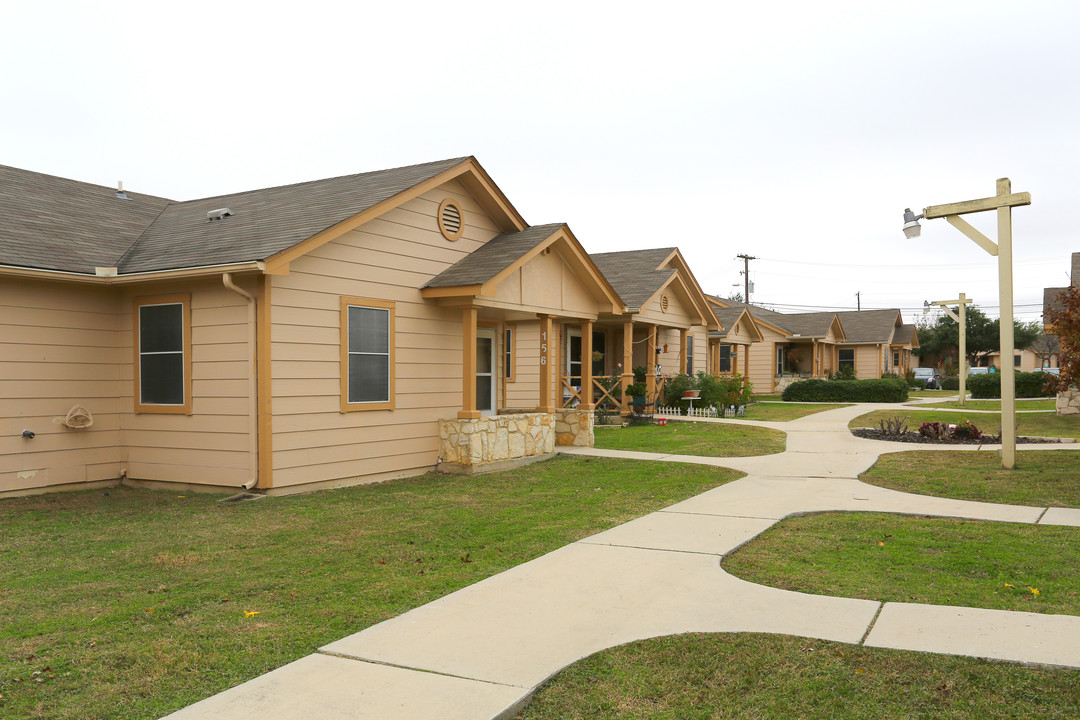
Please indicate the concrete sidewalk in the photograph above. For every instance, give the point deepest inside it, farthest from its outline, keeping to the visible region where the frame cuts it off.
(480, 653)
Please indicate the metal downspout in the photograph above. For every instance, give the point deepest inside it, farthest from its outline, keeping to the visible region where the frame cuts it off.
(253, 420)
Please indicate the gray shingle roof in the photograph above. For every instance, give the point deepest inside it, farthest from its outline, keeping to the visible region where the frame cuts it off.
(57, 224)
(633, 273)
(493, 257)
(869, 326)
(904, 335)
(727, 317)
(806, 324)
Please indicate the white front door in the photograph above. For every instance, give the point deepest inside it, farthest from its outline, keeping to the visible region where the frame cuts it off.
(485, 371)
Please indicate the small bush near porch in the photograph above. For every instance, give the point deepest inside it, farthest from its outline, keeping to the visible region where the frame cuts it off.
(691, 438)
(876, 390)
(131, 604)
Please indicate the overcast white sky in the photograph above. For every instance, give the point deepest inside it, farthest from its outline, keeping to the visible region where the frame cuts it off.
(796, 132)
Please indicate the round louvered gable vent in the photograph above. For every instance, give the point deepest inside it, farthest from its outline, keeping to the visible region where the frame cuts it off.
(451, 221)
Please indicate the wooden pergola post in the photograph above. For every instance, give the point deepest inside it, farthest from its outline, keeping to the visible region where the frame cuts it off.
(682, 351)
(650, 362)
(586, 366)
(468, 364)
(545, 365)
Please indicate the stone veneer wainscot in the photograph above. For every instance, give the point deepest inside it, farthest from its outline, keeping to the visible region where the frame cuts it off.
(497, 442)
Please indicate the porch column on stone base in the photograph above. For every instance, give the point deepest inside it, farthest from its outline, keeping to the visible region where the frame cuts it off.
(627, 362)
(682, 352)
(545, 365)
(586, 366)
(650, 362)
(468, 364)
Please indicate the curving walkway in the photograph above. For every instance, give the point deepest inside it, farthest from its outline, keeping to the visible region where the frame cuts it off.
(479, 653)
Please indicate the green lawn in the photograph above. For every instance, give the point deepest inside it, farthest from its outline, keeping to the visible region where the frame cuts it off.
(931, 393)
(892, 558)
(1029, 404)
(693, 438)
(1048, 479)
(715, 677)
(782, 412)
(132, 603)
(1036, 424)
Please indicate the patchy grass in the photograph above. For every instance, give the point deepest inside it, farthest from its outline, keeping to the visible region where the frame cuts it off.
(132, 603)
(1029, 404)
(931, 393)
(694, 438)
(893, 558)
(782, 412)
(1035, 424)
(714, 677)
(1041, 478)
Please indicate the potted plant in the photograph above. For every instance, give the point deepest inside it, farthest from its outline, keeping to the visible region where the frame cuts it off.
(637, 391)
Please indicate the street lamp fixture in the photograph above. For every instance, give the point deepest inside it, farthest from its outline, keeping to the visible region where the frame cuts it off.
(1003, 202)
(912, 229)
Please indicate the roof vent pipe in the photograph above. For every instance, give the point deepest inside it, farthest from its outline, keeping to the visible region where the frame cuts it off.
(120, 190)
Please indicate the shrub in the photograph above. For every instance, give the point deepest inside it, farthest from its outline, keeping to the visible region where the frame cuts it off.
(881, 390)
(636, 389)
(639, 373)
(950, 383)
(935, 430)
(1027, 385)
(674, 389)
(966, 430)
(845, 373)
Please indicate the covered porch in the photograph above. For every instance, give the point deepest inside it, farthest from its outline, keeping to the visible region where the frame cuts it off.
(516, 296)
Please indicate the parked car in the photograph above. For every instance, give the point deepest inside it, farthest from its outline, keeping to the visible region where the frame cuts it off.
(930, 376)
(978, 371)
(1051, 371)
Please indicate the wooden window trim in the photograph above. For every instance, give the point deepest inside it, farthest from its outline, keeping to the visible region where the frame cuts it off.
(854, 359)
(184, 300)
(346, 303)
(510, 348)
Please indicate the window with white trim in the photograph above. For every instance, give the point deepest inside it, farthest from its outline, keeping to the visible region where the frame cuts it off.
(367, 372)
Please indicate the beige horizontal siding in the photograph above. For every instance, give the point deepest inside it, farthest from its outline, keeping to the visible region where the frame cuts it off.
(387, 259)
(58, 350)
(213, 445)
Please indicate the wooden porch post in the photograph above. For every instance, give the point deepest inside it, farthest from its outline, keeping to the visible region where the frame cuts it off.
(746, 361)
(545, 365)
(814, 359)
(627, 360)
(682, 351)
(586, 366)
(468, 364)
(650, 362)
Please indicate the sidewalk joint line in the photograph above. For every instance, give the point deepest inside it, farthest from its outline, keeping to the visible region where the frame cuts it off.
(1041, 515)
(645, 547)
(718, 515)
(873, 621)
(372, 661)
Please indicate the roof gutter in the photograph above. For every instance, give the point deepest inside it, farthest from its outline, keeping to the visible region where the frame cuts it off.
(108, 276)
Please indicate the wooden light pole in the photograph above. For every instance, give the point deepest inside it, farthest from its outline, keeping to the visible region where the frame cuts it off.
(1004, 201)
(962, 319)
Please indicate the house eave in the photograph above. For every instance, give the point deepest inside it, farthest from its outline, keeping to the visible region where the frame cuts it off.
(130, 278)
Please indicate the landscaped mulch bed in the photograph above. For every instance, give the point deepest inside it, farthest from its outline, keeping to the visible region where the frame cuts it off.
(914, 437)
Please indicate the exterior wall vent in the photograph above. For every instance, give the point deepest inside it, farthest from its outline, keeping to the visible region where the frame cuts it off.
(451, 220)
(663, 303)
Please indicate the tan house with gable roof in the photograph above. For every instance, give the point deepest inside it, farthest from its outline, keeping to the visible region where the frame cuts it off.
(324, 333)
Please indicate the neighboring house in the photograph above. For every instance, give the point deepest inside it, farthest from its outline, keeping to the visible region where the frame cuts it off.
(1050, 294)
(312, 335)
(727, 346)
(667, 320)
(1024, 360)
(878, 343)
(800, 345)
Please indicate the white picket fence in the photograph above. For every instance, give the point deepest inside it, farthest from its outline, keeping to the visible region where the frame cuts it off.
(705, 412)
